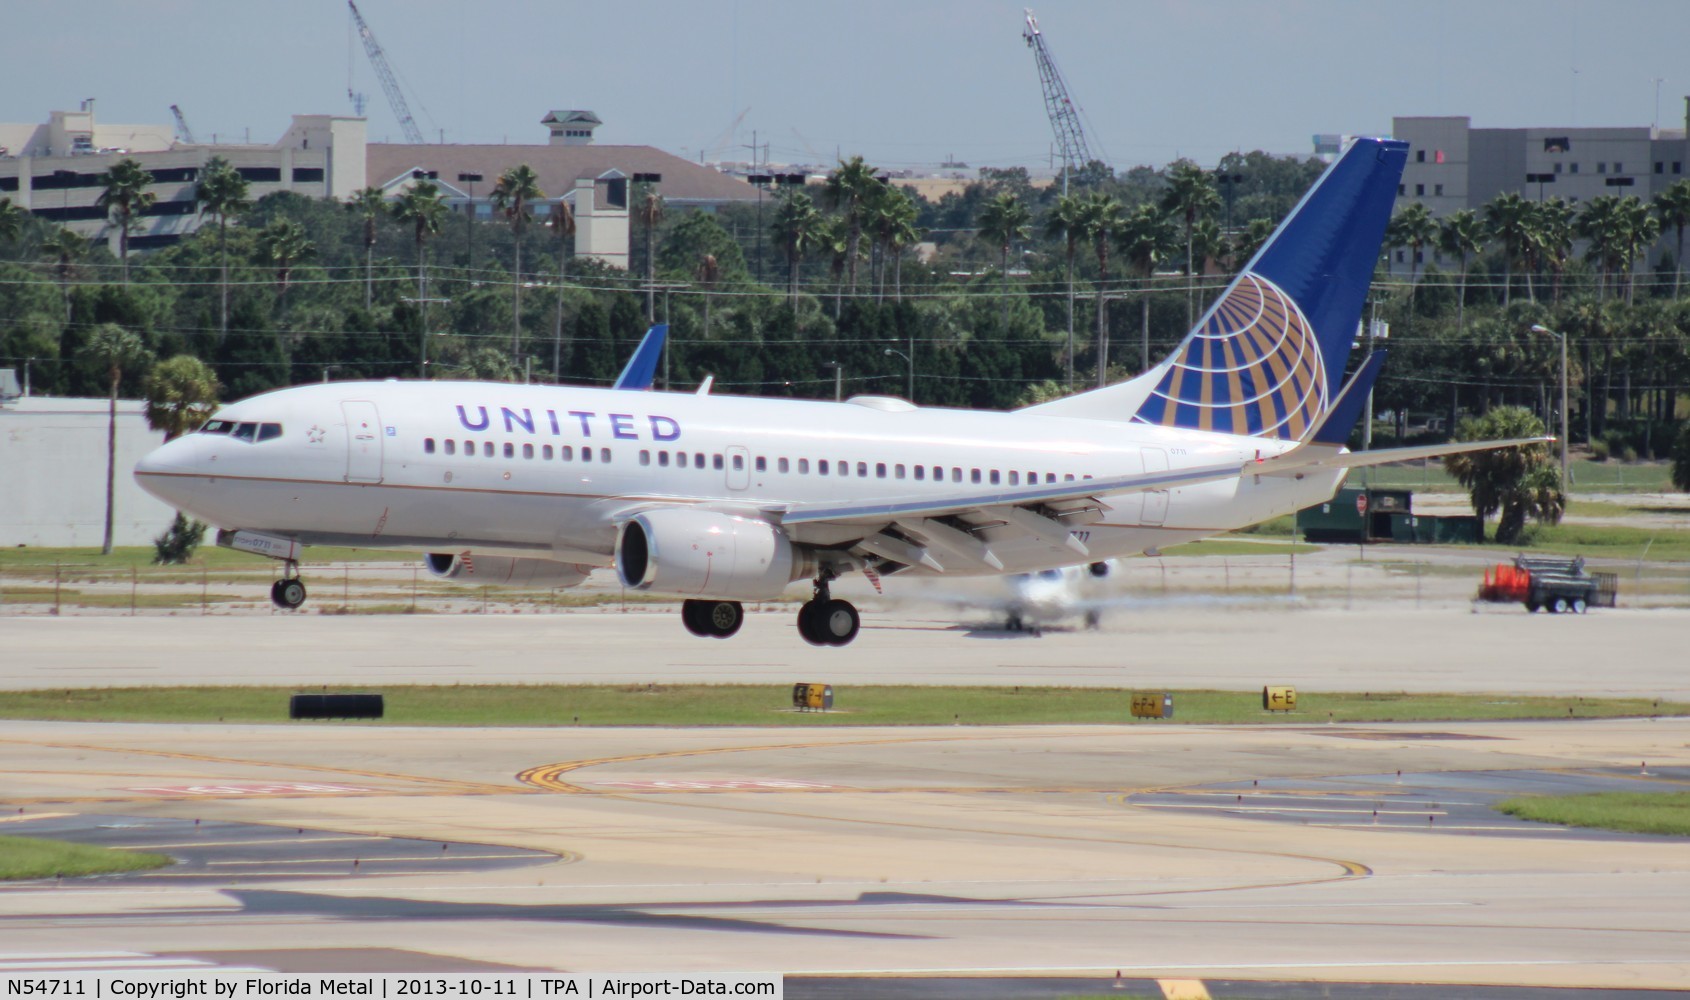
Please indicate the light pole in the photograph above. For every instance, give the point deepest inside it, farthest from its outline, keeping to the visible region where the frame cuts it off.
(838, 380)
(1566, 483)
(911, 362)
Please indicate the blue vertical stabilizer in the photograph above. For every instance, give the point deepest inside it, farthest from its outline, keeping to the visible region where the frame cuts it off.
(641, 369)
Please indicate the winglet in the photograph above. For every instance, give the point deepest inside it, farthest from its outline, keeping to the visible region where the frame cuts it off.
(642, 367)
(1335, 428)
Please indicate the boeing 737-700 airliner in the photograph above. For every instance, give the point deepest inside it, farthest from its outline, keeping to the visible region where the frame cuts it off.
(724, 499)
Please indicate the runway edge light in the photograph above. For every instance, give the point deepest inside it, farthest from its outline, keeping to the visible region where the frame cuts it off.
(1279, 698)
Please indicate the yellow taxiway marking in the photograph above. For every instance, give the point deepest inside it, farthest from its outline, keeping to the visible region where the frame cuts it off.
(548, 776)
(301, 839)
(454, 785)
(446, 855)
(1183, 989)
(29, 816)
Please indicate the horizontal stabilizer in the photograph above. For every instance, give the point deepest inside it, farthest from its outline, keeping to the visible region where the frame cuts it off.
(1316, 456)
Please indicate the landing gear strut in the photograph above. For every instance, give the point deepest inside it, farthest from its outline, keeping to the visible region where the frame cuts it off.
(825, 621)
(712, 619)
(288, 593)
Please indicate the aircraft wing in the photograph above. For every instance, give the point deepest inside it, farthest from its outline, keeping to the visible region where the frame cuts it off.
(919, 530)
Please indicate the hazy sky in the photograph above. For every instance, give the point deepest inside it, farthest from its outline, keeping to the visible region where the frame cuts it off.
(903, 82)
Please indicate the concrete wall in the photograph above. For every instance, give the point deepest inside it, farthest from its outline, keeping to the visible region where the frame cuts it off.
(53, 474)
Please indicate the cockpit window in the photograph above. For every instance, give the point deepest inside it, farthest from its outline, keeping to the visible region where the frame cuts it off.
(268, 432)
(217, 427)
(245, 432)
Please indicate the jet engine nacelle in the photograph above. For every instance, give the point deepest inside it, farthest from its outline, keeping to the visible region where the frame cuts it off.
(681, 550)
(500, 571)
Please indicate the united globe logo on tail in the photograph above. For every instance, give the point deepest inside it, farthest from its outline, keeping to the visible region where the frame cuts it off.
(1252, 367)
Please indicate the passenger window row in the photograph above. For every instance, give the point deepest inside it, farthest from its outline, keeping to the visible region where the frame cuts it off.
(565, 453)
(842, 468)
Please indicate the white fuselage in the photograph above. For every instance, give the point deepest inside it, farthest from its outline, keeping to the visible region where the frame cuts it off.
(549, 472)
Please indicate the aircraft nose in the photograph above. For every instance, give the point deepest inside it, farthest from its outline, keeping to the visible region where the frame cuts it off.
(168, 472)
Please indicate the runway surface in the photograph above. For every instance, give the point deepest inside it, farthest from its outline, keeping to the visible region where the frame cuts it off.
(1050, 856)
(1373, 648)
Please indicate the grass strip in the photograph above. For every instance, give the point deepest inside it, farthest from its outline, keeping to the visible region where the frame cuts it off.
(31, 857)
(1630, 812)
(770, 705)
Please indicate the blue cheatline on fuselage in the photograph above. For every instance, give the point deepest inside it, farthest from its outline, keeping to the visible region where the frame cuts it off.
(1267, 358)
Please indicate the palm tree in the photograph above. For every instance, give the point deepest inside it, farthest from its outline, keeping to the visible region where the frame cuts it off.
(849, 188)
(1639, 230)
(1100, 217)
(1600, 221)
(708, 273)
(1146, 239)
(11, 220)
(370, 204)
(1552, 234)
(181, 393)
(892, 222)
(284, 244)
(221, 191)
(1247, 243)
(1064, 222)
(114, 349)
(1672, 207)
(1211, 246)
(125, 194)
(423, 206)
(1191, 194)
(66, 247)
(795, 227)
(1413, 227)
(832, 235)
(517, 187)
(650, 214)
(1003, 221)
(1515, 481)
(1509, 219)
(562, 224)
(1462, 236)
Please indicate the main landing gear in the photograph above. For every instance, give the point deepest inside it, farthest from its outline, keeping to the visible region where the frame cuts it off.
(825, 621)
(712, 619)
(288, 593)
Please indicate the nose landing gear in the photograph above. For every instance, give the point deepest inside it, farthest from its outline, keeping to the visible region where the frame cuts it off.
(288, 593)
(826, 621)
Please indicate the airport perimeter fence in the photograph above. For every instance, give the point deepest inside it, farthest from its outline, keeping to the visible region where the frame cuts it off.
(1341, 577)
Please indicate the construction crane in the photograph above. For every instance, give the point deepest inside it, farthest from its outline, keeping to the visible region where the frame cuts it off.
(1064, 113)
(182, 128)
(389, 85)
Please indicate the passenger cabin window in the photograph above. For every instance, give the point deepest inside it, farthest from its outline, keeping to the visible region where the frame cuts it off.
(604, 454)
(956, 474)
(1014, 478)
(546, 452)
(862, 470)
(510, 450)
(451, 447)
(566, 453)
(974, 475)
(698, 459)
(762, 464)
(920, 472)
(428, 446)
(994, 477)
(645, 457)
(803, 466)
(469, 449)
(821, 466)
(487, 449)
(587, 454)
(663, 459)
(739, 463)
(716, 462)
(880, 470)
(781, 465)
(527, 451)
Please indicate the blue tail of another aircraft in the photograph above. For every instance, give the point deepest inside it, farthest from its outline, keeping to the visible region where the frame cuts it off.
(641, 369)
(1268, 358)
